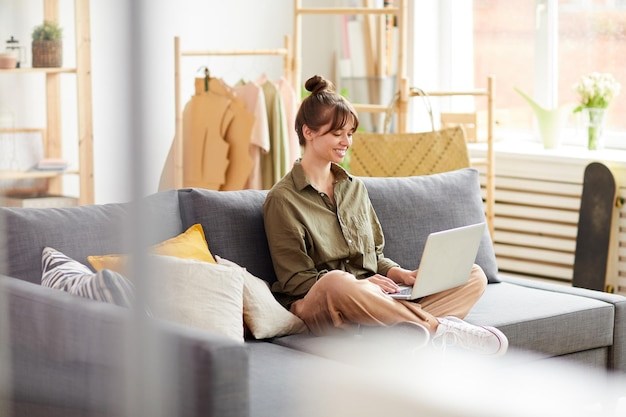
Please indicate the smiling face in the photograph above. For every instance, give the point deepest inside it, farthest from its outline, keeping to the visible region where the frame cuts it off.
(327, 145)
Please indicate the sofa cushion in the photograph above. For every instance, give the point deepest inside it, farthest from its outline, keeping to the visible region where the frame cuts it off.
(190, 244)
(410, 208)
(551, 322)
(95, 230)
(238, 236)
(285, 382)
(264, 316)
(63, 273)
(548, 323)
(199, 294)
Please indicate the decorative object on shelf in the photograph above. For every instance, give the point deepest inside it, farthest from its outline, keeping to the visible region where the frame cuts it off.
(18, 51)
(596, 91)
(52, 164)
(47, 45)
(550, 121)
(7, 61)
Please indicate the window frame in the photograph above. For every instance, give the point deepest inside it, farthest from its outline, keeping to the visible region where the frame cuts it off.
(446, 49)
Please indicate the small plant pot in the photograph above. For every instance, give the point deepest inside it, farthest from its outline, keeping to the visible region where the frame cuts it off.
(47, 53)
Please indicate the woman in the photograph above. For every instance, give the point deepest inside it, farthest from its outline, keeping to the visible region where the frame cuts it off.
(327, 244)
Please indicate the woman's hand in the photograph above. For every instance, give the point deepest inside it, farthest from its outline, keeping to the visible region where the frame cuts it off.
(402, 276)
(386, 284)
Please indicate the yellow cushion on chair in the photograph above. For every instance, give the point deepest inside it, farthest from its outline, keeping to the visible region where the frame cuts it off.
(408, 154)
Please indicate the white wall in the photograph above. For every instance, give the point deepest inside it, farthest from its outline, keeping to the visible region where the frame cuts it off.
(133, 72)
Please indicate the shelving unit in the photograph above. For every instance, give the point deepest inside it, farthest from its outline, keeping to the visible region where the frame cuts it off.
(399, 12)
(53, 140)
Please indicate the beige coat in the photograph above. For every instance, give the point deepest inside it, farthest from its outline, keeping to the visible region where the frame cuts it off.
(216, 138)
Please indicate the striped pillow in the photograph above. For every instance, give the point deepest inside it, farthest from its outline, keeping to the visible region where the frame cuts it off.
(64, 273)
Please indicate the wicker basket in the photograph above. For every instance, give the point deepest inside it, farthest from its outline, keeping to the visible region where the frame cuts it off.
(408, 154)
(47, 53)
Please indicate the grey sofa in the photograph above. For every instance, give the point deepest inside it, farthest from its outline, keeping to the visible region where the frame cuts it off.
(69, 355)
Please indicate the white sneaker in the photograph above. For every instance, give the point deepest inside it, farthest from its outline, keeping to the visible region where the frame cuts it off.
(453, 331)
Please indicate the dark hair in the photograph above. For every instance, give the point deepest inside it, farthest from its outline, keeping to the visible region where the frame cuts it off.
(323, 106)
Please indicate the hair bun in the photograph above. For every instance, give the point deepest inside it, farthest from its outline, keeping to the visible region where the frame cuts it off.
(318, 84)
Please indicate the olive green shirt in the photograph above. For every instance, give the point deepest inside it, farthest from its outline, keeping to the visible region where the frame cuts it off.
(308, 235)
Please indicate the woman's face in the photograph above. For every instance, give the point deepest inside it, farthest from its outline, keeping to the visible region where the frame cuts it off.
(331, 146)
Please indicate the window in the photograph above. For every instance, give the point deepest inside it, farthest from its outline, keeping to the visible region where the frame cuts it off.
(543, 48)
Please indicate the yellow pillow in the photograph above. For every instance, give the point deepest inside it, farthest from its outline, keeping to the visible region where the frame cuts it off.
(188, 245)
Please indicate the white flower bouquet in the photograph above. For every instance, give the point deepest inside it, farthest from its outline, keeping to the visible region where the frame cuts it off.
(596, 90)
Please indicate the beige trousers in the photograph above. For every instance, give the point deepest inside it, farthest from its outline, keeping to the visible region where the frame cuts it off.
(341, 301)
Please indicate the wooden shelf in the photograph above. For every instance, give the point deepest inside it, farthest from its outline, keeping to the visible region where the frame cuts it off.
(18, 175)
(52, 131)
(38, 70)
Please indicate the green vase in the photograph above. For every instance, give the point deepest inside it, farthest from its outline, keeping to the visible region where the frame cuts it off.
(593, 119)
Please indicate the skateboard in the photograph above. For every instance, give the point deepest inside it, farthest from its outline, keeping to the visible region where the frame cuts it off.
(597, 205)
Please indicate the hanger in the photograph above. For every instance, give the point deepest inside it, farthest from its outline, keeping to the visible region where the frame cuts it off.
(207, 76)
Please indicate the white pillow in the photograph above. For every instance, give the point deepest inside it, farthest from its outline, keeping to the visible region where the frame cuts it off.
(198, 294)
(264, 316)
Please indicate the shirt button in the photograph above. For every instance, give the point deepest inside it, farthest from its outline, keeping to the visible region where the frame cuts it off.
(347, 261)
(349, 240)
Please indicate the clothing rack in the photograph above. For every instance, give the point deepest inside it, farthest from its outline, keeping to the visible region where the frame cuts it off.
(284, 52)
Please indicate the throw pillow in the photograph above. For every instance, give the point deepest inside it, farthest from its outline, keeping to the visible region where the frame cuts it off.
(190, 244)
(64, 273)
(264, 316)
(197, 294)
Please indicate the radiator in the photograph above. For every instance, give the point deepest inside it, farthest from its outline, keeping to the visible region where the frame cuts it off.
(537, 200)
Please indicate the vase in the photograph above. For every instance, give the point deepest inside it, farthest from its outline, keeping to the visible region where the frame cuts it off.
(593, 122)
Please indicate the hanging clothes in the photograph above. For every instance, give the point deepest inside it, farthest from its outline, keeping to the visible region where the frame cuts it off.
(206, 118)
(254, 98)
(238, 135)
(216, 140)
(290, 103)
(274, 165)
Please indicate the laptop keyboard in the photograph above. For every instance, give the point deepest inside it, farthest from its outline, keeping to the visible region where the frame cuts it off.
(405, 290)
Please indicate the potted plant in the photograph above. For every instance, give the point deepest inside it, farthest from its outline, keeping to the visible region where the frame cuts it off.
(47, 45)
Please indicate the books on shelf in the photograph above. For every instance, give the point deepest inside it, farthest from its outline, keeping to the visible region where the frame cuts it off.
(51, 164)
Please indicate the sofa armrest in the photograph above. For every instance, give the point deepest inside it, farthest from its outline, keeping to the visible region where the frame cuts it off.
(617, 352)
(70, 355)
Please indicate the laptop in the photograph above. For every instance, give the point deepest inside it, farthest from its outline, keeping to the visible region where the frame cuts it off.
(446, 262)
